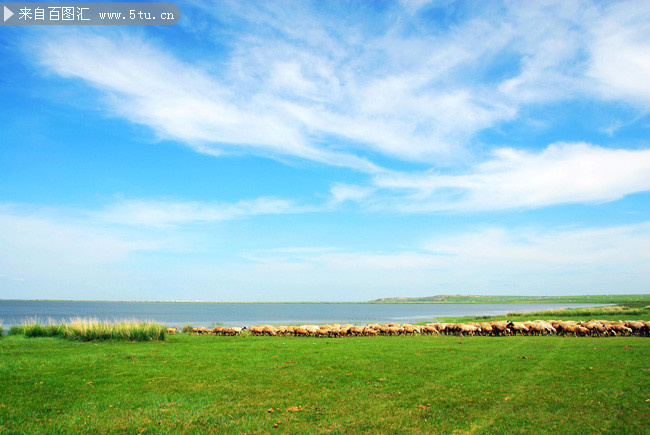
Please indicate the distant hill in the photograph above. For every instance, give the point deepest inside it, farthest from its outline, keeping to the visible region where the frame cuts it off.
(474, 299)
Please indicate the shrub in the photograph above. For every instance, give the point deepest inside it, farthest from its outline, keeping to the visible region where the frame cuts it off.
(187, 328)
(16, 330)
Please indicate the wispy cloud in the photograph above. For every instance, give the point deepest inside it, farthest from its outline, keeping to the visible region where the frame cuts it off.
(560, 174)
(162, 213)
(39, 242)
(331, 90)
(525, 259)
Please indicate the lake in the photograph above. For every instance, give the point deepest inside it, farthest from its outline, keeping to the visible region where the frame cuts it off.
(247, 314)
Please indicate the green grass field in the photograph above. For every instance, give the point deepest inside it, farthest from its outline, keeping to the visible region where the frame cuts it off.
(378, 384)
(597, 313)
(628, 300)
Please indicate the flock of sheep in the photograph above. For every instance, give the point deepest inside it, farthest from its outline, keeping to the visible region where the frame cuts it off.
(497, 328)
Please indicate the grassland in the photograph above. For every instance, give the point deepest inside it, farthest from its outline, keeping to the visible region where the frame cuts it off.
(600, 313)
(629, 300)
(380, 384)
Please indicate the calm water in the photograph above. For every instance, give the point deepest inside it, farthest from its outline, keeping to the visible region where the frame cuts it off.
(206, 314)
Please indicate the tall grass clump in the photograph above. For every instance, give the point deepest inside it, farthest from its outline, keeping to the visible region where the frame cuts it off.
(2, 331)
(94, 330)
(187, 328)
(16, 330)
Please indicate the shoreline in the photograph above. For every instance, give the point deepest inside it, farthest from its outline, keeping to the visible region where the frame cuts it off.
(445, 299)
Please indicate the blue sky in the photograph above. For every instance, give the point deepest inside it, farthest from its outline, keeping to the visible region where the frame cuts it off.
(329, 151)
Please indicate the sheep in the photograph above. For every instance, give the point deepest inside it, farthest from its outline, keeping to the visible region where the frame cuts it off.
(172, 330)
(409, 329)
(567, 327)
(635, 326)
(270, 330)
(323, 331)
(299, 331)
(201, 330)
(369, 332)
(595, 327)
(619, 328)
(500, 327)
(394, 330)
(518, 327)
(257, 330)
(466, 329)
(486, 328)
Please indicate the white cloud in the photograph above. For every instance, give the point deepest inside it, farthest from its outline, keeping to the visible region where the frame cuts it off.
(161, 213)
(620, 53)
(306, 85)
(561, 173)
(150, 87)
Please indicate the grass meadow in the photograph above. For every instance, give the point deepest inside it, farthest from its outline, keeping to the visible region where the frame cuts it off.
(247, 384)
(614, 313)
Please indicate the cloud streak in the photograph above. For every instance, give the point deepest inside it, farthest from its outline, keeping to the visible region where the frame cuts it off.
(563, 173)
(344, 91)
(164, 213)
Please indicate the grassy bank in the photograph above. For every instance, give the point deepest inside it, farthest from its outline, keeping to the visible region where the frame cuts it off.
(380, 384)
(600, 313)
(92, 330)
(628, 300)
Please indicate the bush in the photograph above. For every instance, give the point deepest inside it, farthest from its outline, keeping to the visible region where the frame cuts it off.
(16, 330)
(187, 329)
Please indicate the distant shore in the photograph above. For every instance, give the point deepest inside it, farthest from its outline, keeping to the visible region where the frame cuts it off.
(438, 299)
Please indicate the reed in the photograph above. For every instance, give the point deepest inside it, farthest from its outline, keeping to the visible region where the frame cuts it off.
(83, 329)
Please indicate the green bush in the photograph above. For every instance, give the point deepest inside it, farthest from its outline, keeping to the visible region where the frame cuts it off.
(187, 329)
(16, 330)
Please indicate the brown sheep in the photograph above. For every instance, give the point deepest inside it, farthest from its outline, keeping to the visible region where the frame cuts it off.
(518, 328)
(486, 328)
(466, 329)
(257, 330)
(394, 330)
(635, 326)
(370, 332)
(499, 327)
(172, 330)
(300, 332)
(408, 329)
